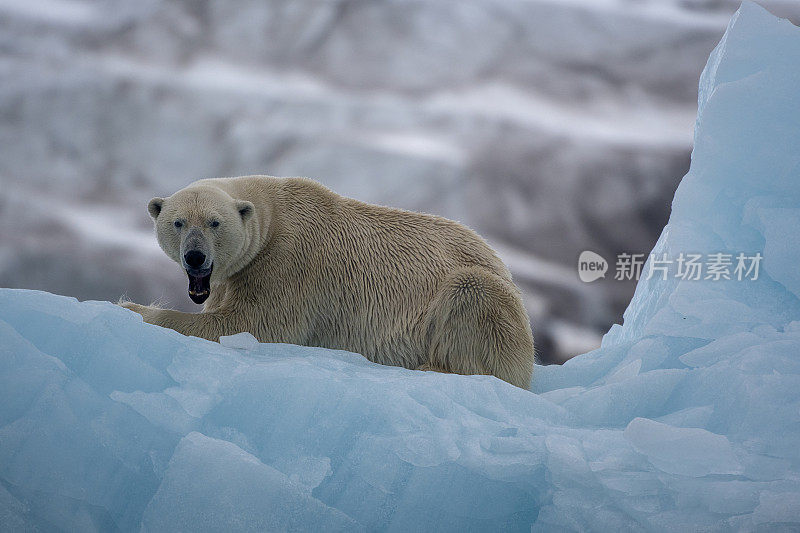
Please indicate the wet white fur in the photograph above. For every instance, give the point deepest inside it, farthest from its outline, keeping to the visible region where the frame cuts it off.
(308, 266)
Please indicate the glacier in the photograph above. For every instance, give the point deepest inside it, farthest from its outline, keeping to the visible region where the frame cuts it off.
(686, 418)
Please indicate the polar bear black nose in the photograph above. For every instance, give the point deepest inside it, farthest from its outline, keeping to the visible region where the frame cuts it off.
(194, 258)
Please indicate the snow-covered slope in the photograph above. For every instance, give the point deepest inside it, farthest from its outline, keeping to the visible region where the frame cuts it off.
(687, 418)
(549, 126)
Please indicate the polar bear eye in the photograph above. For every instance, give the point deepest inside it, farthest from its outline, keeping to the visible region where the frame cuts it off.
(214, 223)
(178, 224)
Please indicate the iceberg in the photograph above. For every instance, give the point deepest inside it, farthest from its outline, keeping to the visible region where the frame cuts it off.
(687, 417)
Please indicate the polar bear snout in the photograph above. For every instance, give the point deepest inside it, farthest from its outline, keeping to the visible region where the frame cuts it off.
(198, 263)
(195, 250)
(194, 259)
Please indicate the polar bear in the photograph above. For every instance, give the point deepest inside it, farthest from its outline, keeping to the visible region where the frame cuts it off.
(291, 261)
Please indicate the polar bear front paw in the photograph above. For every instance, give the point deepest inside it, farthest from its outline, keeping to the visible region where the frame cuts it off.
(136, 308)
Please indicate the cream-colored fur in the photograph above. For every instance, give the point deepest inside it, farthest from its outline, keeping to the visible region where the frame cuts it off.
(295, 262)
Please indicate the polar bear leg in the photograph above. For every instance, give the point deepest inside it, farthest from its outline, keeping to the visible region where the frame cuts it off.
(210, 326)
(476, 324)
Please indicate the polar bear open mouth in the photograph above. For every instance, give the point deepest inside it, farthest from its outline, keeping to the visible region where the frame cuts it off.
(199, 284)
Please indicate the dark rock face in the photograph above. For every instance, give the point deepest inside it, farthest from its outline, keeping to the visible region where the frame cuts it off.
(551, 128)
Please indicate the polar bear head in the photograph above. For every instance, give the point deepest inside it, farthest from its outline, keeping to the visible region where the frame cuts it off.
(207, 232)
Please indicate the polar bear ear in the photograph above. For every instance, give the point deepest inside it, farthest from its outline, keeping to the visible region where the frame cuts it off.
(245, 209)
(154, 207)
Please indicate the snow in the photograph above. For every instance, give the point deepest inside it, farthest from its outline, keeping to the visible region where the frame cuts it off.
(73, 12)
(240, 341)
(687, 417)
